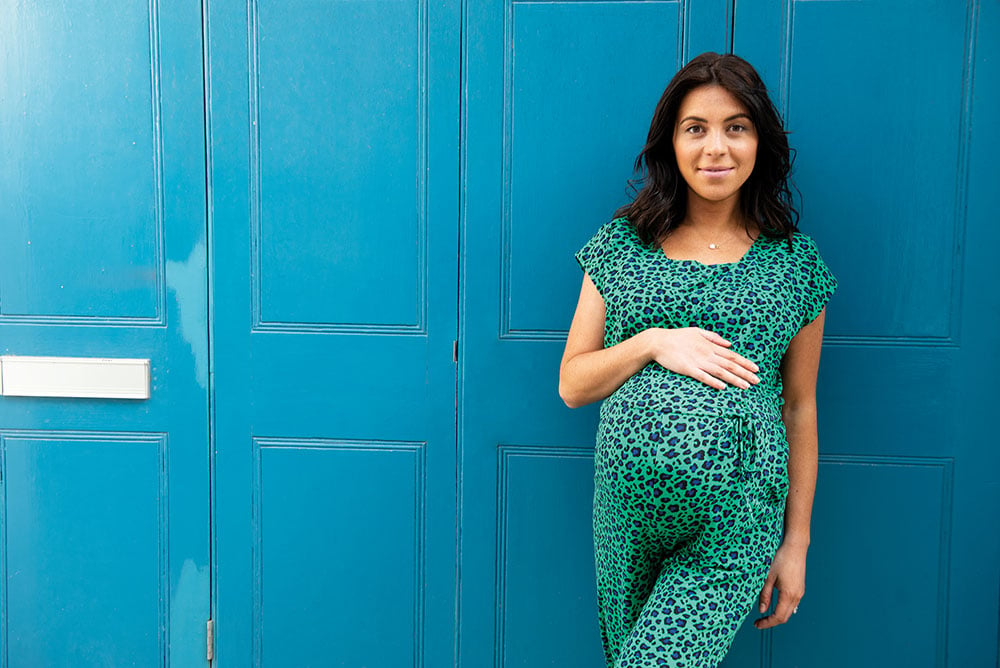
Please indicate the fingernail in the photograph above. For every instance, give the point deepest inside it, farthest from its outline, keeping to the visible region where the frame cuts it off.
(762, 607)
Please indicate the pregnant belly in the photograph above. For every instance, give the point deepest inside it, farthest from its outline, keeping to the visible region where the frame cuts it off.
(665, 438)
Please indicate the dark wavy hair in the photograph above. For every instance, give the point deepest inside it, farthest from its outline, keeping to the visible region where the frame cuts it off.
(765, 198)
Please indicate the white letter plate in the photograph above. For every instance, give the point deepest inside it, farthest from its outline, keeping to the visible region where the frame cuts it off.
(80, 377)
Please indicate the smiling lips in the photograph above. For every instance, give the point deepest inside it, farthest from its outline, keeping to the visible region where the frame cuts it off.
(717, 172)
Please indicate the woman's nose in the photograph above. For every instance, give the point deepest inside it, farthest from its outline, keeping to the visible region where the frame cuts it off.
(715, 143)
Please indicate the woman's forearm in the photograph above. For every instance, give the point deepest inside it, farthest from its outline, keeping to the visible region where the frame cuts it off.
(803, 454)
(592, 376)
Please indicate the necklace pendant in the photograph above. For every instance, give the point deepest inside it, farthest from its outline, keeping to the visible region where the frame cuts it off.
(713, 246)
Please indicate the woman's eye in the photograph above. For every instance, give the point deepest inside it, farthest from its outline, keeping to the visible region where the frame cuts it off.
(694, 129)
(737, 127)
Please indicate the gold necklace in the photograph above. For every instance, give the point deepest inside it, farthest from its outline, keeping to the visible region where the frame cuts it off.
(712, 245)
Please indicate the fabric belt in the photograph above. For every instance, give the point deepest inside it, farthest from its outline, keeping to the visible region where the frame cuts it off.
(747, 437)
(744, 419)
(746, 441)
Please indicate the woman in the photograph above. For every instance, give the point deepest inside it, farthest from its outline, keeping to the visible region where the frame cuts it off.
(700, 322)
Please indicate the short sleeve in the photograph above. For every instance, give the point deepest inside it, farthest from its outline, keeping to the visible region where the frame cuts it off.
(819, 282)
(595, 256)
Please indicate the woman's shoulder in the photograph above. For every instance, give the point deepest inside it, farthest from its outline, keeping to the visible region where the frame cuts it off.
(798, 245)
(802, 242)
(616, 232)
(794, 256)
(799, 256)
(619, 226)
(605, 243)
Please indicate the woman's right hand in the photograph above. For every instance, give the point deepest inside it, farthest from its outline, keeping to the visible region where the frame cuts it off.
(702, 355)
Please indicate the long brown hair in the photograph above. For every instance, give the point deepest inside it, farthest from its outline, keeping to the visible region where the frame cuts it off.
(765, 198)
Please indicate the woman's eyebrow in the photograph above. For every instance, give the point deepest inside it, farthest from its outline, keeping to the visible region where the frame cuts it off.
(702, 120)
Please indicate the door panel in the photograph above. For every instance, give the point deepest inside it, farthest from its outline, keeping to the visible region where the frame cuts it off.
(83, 166)
(334, 159)
(310, 133)
(360, 529)
(895, 191)
(104, 544)
(559, 99)
(72, 537)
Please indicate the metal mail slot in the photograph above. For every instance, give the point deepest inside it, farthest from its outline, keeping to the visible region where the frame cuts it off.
(76, 377)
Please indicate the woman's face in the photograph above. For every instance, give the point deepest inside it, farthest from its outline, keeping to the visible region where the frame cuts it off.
(715, 144)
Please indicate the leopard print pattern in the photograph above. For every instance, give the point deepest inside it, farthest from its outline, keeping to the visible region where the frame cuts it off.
(690, 481)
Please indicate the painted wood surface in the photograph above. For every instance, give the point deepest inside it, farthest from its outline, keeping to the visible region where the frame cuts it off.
(295, 210)
(104, 538)
(334, 153)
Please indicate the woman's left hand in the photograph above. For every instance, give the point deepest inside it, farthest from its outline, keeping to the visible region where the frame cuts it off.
(788, 575)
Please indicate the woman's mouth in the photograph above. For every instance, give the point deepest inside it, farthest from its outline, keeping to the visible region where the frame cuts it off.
(716, 172)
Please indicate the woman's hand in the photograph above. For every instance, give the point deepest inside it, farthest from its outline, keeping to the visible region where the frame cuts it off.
(702, 355)
(788, 576)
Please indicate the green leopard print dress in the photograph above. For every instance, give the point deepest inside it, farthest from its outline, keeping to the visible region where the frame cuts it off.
(691, 481)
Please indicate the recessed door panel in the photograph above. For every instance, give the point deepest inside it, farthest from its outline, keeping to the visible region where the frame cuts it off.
(569, 135)
(544, 553)
(335, 549)
(85, 514)
(873, 514)
(339, 158)
(82, 169)
(900, 184)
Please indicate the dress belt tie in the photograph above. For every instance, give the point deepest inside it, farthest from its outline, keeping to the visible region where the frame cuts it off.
(747, 440)
(744, 433)
(745, 437)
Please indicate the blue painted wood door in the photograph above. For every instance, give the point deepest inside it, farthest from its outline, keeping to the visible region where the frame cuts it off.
(334, 153)
(104, 535)
(905, 561)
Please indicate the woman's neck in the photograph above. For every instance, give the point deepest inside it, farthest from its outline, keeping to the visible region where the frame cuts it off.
(714, 218)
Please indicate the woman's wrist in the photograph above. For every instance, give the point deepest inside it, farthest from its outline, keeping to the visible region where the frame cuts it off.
(796, 540)
(652, 340)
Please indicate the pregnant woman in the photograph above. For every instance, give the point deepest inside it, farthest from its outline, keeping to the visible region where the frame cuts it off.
(699, 323)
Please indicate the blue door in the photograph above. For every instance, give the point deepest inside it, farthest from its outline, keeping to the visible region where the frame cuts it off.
(104, 535)
(905, 560)
(334, 151)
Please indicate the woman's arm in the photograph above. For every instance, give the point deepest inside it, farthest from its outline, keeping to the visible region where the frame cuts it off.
(799, 368)
(590, 372)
